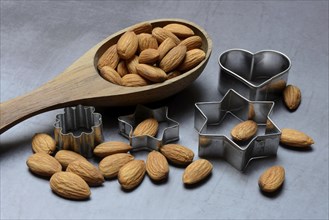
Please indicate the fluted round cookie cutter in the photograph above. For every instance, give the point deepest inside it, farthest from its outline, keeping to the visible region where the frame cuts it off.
(79, 129)
(260, 76)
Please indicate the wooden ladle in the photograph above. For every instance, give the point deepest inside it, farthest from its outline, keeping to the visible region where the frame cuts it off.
(81, 83)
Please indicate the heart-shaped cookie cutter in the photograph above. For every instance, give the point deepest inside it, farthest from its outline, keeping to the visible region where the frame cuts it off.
(260, 77)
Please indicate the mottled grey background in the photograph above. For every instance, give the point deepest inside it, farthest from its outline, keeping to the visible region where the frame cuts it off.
(39, 39)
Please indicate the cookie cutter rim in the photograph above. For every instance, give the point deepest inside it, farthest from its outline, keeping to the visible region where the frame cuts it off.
(260, 146)
(246, 87)
(146, 142)
(72, 121)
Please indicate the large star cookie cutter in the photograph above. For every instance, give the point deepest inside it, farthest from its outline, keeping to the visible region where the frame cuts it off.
(215, 120)
(260, 76)
(168, 128)
(79, 129)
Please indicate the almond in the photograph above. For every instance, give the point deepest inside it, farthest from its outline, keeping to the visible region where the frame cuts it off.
(109, 58)
(292, 97)
(157, 166)
(147, 127)
(133, 80)
(43, 164)
(65, 157)
(295, 138)
(244, 130)
(145, 27)
(110, 165)
(197, 171)
(111, 75)
(173, 74)
(131, 64)
(177, 154)
(127, 45)
(179, 30)
(165, 47)
(192, 59)
(152, 73)
(271, 179)
(193, 42)
(251, 111)
(131, 174)
(147, 41)
(161, 34)
(149, 56)
(173, 58)
(87, 171)
(111, 147)
(42, 142)
(122, 68)
(69, 185)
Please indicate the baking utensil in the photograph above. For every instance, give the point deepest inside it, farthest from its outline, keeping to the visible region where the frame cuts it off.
(215, 120)
(168, 128)
(79, 129)
(260, 76)
(81, 83)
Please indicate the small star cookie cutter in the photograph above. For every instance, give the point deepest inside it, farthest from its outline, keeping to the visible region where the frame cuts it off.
(168, 128)
(215, 120)
(79, 129)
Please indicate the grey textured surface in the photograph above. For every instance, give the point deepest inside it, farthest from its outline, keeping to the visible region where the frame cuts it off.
(39, 39)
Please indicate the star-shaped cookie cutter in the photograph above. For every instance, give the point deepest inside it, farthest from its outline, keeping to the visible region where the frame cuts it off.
(214, 121)
(168, 128)
(79, 129)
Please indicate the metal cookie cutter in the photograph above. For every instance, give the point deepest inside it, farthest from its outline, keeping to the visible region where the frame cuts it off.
(260, 76)
(168, 128)
(215, 120)
(79, 129)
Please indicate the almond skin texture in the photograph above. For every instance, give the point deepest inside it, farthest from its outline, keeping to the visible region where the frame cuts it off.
(65, 157)
(69, 185)
(173, 74)
(149, 56)
(87, 171)
(134, 80)
(165, 47)
(147, 127)
(142, 28)
(43, 143)
(292, 97)
(109, 58)
(152, 73)
(111, 75)
(111, 147)
(131, 64)
(271, 179)
(110, 165)
(161, 34)
(173, 58)
(43, 164)
(179, 30)
(131, 174)
(193, 42)
(147, 41)
(157, 166)
(295, 138)
(244, 130)
(127, 45)
(197, 171)
(192, 59)
(122, 68)
(177, 154)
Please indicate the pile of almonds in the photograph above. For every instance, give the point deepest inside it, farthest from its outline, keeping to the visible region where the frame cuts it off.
(72, 175)
(145, 55)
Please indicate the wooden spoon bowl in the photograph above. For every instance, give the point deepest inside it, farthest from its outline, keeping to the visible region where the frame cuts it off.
(81, 83)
